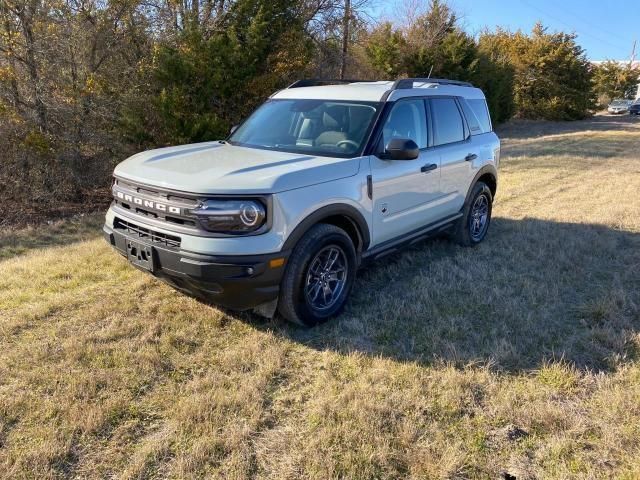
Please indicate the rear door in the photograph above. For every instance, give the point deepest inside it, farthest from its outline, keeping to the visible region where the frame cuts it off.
(404, 190)
(454, 145)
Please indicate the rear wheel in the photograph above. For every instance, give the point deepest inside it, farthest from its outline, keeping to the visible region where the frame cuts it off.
(318, 277)
(472, 227)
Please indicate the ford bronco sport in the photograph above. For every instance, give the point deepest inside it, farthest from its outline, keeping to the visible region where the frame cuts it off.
(321, 178)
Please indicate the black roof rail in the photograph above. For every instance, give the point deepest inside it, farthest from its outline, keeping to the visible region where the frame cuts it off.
(315, 82)
(407, 83)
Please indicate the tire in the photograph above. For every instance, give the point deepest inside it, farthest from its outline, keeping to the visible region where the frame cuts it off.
(467, 231)
(301, 300)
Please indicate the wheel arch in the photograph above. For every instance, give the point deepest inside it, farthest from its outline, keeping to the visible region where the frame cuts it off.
(341, 215)
(487, 174)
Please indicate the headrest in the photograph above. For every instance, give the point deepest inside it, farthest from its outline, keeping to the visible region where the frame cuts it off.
(334, 118)
(402, 118)
(360, 117)
(402, 110)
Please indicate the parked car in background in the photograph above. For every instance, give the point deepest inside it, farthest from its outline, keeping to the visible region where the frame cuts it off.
(619, 106)
(634, 109)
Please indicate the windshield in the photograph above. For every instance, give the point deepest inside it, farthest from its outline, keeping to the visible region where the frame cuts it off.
(318, 127)
(619, 103)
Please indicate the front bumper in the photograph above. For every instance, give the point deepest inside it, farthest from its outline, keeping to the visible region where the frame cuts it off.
(238, 282)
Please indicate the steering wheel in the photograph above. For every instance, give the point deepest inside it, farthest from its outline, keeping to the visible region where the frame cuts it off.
(348, 142)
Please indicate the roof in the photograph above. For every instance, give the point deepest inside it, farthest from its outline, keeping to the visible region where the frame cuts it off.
(376, 91)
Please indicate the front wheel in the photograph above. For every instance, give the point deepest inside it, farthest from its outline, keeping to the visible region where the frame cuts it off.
(318, 277)
(472, 227)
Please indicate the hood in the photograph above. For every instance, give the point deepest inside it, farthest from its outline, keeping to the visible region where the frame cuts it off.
(215, 167)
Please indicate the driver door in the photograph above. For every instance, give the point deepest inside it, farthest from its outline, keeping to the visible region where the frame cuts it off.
(404, 191)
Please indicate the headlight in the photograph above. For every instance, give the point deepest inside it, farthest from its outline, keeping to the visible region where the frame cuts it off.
(230, 216)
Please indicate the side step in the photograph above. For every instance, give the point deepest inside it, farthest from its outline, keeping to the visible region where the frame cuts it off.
(393, 245)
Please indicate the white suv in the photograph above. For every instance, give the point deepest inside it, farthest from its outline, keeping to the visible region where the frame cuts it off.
(323, 177)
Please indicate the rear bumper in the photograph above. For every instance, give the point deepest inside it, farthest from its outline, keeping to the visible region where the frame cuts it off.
(234, 282)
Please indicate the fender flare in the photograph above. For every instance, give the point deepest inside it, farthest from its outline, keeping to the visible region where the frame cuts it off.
(338, 209)
(484, 170)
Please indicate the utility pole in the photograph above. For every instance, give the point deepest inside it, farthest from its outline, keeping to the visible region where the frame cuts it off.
(631, 64)
(345, 37)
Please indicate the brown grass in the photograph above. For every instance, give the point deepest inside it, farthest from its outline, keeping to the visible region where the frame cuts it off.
(520, 356)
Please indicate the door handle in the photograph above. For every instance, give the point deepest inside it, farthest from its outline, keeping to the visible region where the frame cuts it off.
(428, 167)
(471, 157)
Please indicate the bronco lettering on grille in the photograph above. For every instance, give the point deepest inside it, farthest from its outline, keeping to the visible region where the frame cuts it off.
(162, 207)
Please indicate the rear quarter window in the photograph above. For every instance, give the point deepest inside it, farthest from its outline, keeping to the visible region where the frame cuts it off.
(479, 107)
(472, 119)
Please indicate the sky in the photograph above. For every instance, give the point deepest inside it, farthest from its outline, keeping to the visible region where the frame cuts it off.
(606, 29)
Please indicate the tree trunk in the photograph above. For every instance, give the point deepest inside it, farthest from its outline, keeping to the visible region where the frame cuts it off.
(17, 102)
(31, 63)
(345, 38)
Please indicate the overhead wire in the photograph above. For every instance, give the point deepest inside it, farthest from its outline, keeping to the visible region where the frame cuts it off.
(572, 27)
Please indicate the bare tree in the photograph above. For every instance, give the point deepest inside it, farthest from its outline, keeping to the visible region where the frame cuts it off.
(345, 37)
(332, 25)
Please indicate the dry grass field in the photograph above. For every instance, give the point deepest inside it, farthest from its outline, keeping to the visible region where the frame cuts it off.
(517, 359)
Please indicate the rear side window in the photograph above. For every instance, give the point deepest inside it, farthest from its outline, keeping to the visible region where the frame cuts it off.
(447, 121)
(479, 107)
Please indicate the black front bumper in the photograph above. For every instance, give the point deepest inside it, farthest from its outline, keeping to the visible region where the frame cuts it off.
(234, 282)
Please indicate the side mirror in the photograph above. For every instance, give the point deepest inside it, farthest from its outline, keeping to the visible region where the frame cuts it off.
(402, 149)
(233, 129)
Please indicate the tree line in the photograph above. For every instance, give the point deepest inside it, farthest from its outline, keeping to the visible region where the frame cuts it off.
(85, 83)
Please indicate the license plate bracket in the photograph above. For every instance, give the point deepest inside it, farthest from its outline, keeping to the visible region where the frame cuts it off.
(140, 255)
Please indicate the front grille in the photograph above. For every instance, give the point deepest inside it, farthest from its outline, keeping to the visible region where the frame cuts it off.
(147, 234)
(171, 197)
(154, 203)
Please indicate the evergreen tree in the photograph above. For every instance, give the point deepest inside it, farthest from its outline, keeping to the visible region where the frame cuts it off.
(552, 74)
(612, 80)
(206, 81)
(495, 76)
(433, 45)
(437, 47)
(385, 49)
